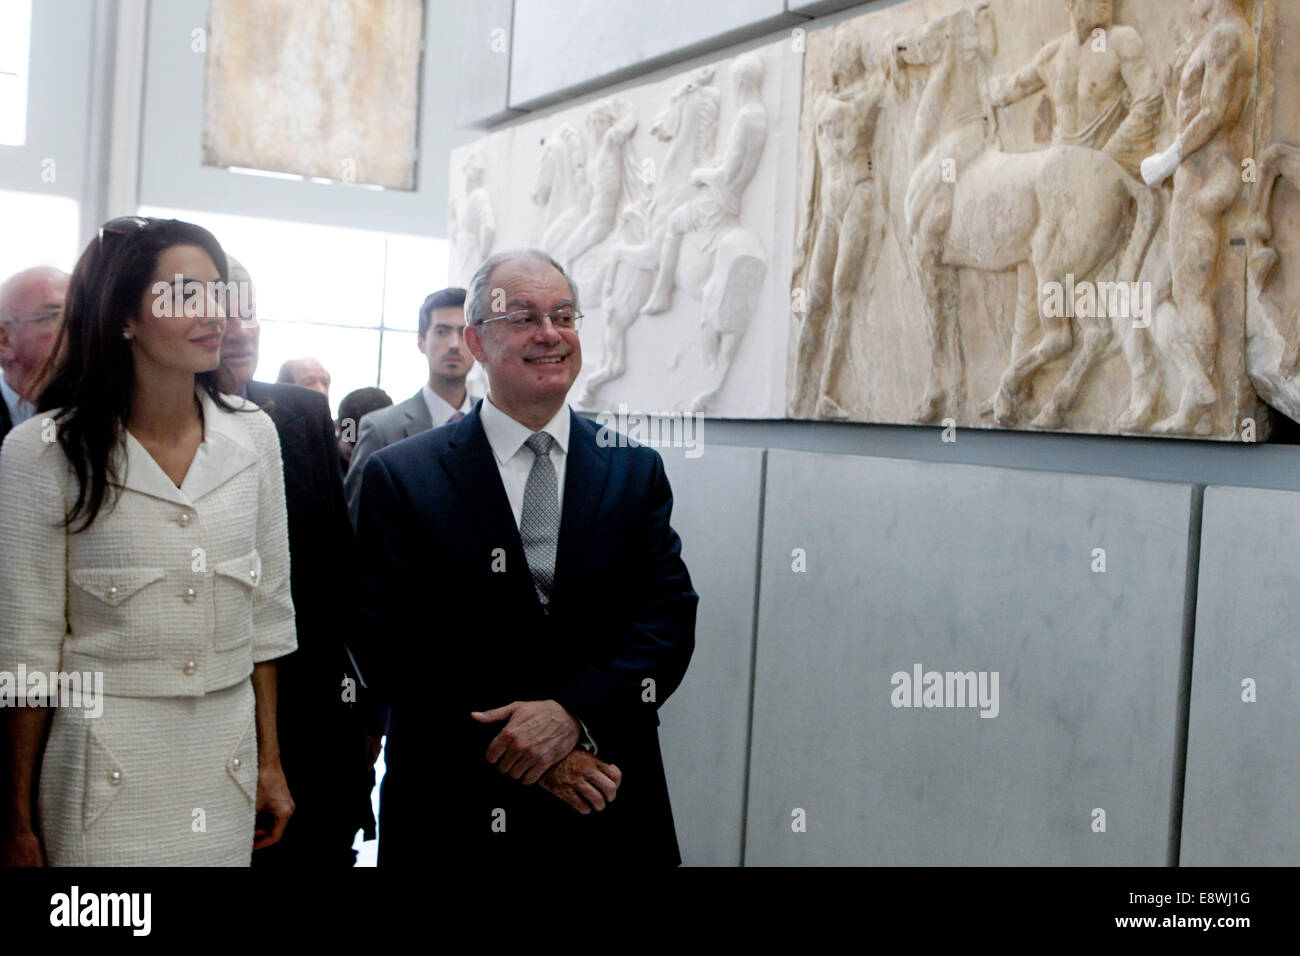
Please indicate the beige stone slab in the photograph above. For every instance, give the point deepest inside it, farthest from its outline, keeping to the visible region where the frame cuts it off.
(970, 172)
(327, 90)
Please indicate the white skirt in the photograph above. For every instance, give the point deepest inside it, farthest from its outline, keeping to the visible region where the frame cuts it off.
(152, 781)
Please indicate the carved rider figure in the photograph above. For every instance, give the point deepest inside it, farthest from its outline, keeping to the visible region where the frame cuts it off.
(1102, 87)
(722, 184)
(608, 175)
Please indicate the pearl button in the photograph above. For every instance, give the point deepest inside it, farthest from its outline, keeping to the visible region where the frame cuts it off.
(112, 592)
(236, 763)
(190, 667)
(252, 575)
(115, 777)
(190, 595)
(183, 519)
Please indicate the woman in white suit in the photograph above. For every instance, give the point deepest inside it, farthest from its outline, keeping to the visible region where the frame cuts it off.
(143, 534)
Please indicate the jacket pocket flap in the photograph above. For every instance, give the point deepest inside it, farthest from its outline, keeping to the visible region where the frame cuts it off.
(115, 585)
(247, 570)
(105, 777)
(242, 762)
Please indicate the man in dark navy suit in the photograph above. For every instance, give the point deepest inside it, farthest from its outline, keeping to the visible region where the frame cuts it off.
(526, 608)
(322, 721)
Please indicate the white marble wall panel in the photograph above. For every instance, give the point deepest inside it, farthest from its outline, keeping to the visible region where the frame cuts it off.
(562, 46)
(483, 62)
(965, 569)
(705, 731)
(1242, 795)
(817, 8)
(701, 162)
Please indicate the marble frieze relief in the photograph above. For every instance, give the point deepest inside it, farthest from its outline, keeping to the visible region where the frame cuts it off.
(1060, 215)
(671, 203)
(1039, 214)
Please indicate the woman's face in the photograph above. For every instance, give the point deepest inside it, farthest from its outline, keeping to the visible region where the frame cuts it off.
(180, 322)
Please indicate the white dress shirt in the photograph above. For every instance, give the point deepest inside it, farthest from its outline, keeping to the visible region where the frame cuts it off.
(440, 411)
(515, 460)
(19, 408)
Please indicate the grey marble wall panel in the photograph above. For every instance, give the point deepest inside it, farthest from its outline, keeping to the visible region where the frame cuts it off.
(1242, 794)
(565, 47)
(705, 725)
(483, 62)
(963, 569)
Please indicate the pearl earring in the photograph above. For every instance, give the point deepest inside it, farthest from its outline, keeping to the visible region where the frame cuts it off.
(126, 334)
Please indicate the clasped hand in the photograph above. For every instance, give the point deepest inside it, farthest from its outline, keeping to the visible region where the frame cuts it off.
(537, 744)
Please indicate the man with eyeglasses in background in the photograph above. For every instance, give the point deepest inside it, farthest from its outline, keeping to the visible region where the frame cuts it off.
(525, 609)
(322, 714)
(445, 397)
(31, 303)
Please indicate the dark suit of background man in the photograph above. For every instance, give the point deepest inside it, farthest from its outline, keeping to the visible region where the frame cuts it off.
(441, 399)
(323, 746)
(508, 654)
(353, 407)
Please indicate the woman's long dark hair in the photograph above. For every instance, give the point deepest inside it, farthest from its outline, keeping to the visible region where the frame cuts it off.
(91, 375)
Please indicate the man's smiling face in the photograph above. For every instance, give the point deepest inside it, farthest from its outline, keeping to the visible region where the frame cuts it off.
(537, 366)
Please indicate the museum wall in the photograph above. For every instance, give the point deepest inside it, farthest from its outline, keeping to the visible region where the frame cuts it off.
(1130, 592)
(1155, 682)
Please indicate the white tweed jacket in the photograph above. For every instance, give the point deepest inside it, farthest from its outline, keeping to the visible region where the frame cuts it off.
(174, 592)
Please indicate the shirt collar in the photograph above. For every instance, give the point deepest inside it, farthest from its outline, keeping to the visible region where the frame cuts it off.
(19, 408)
(228, 448)
(507, 436)
(439, 409)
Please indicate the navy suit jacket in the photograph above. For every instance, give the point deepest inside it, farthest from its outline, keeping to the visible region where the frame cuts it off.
(322, 736)
(453, 625)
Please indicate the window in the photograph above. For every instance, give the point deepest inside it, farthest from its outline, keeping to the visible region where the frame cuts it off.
(40, 230)
(15, 39)
(347, 297)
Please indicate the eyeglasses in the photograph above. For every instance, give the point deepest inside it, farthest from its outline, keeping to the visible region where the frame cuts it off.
(121, 226)
(564, 320)
(49, 315)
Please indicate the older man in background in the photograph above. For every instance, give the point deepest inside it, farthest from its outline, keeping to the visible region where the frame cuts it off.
(323, 745)
(31, 304)
(305, 373)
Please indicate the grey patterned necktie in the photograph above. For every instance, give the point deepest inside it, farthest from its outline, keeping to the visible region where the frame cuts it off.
(539, 525)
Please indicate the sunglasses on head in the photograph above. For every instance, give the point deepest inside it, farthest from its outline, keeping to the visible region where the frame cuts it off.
(122, 225)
